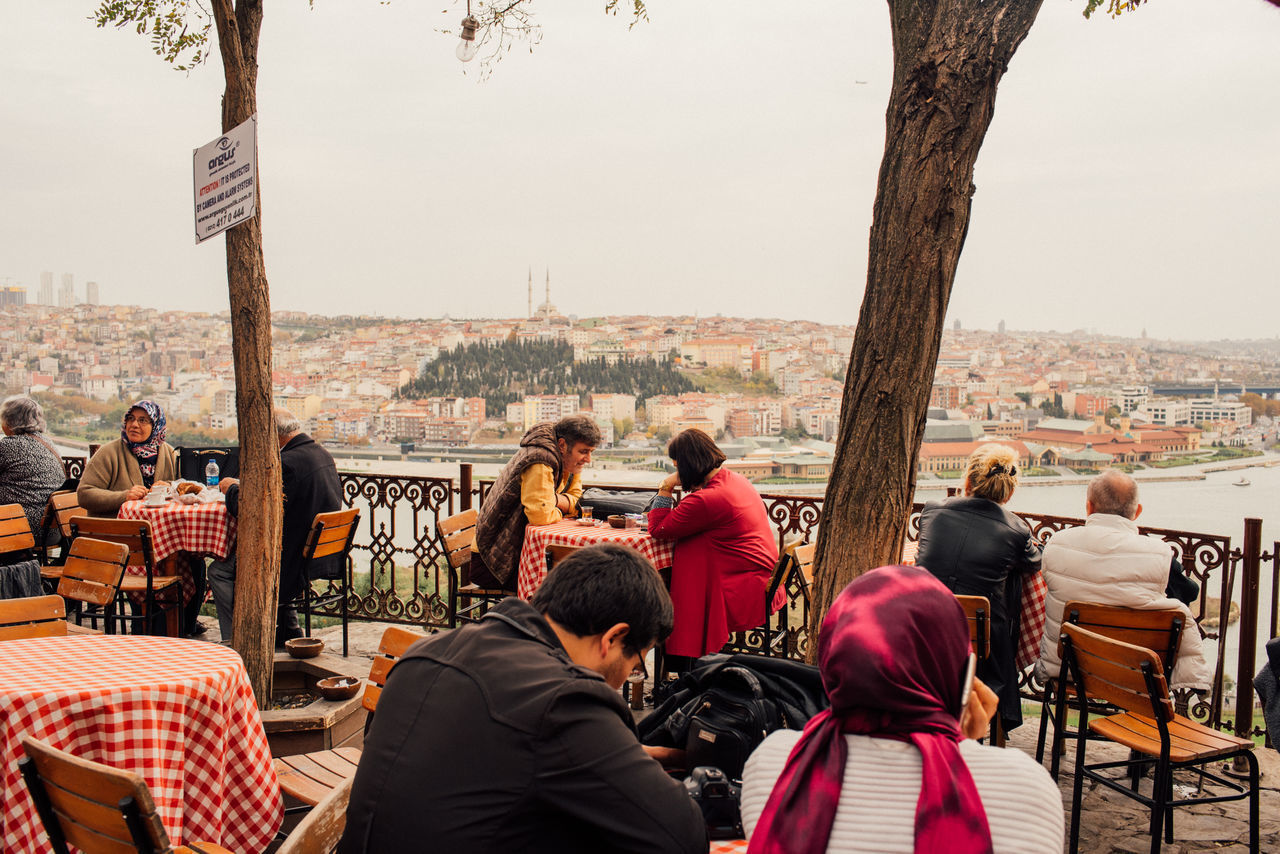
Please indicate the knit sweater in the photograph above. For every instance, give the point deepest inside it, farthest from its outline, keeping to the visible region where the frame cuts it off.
(877, 807)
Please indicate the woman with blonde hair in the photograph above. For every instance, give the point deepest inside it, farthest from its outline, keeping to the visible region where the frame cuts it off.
(977, 547)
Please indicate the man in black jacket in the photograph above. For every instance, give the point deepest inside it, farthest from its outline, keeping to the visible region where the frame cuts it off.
(310, 483)
(510, 734)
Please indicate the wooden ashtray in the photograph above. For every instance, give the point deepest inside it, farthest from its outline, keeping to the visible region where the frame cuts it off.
(304, 647)
(617, 521)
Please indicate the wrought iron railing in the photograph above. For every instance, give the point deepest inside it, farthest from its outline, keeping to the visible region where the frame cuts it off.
(399, 572)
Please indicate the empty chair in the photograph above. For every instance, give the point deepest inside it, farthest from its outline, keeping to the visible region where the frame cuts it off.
(63, 506)
(467, 601)
(321, 830)
(19, 570)
(16, 540)
(95, 808)
(32, 617)
(331, 534)
(1159, 631)
(310, 777)
(157, 594)
(1132, 679)
(91, 577)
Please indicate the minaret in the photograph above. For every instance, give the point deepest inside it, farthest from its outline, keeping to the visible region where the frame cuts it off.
(546, 306)
(530, 314)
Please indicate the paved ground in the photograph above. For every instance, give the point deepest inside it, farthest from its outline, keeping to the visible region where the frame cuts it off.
(1109, 823)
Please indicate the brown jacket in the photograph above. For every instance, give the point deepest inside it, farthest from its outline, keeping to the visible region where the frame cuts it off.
(111, 472)
(500, 526)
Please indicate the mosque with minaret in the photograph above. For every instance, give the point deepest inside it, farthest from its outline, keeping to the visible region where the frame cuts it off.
(546, 311)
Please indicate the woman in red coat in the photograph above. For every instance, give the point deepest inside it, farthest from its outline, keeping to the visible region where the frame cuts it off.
(725, 547)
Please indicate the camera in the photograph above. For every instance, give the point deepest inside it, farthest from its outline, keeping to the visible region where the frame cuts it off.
(718, 799)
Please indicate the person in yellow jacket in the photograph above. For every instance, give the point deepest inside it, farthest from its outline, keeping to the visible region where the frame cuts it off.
(544, 480)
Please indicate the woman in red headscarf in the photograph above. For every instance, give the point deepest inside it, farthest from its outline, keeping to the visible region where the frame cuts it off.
(888, 767)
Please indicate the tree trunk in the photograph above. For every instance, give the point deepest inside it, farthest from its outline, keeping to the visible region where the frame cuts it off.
(258, 535)
(949, 56)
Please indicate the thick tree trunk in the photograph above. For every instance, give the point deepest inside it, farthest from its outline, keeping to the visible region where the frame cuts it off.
(258, 536)
(949, 56)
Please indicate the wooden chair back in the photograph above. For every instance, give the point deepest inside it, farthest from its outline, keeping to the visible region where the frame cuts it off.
(1158, 631)
(15, 530)
(457, 534)
(331, 534)
(33, 617)
(135, 534)
(321, 830)
(91, 806)
(395, 641)
(804, 555)
(93, 571)
(1127, 676)
(61, 509)
(977, 610)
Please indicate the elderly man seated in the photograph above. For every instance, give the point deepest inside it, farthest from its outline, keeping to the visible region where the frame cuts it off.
(1107, 562)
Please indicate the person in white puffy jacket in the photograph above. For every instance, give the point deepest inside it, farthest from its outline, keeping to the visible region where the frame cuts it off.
(1107, 562)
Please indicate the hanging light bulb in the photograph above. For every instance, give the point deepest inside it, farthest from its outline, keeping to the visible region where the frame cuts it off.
(467, 47)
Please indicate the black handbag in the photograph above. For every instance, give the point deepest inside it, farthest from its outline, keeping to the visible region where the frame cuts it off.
(616, 502)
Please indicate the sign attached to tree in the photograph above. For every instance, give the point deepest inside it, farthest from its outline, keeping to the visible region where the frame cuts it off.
(226, 180)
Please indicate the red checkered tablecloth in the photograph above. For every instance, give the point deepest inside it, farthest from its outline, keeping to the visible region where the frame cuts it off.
(728, 846)
(533, 559)
(1031, 619)
(180, 713)
(203, 529)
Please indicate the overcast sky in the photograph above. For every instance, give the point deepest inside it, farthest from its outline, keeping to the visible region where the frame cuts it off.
(721, 157)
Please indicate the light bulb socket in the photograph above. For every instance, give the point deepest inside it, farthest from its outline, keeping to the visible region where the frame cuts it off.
(469, 27)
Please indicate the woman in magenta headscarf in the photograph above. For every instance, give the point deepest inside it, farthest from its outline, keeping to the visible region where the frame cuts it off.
(888, 767)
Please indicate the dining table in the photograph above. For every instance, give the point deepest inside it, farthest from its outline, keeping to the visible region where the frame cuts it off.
(1030, 611)
(180, 713)
(571, 533)
(201, 529)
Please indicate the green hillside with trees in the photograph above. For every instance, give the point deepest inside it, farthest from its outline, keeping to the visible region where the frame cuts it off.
(504, 373)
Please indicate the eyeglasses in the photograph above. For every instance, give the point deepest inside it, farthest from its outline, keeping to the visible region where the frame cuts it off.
(141, 419)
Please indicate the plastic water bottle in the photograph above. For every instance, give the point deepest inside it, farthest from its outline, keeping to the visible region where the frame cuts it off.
(211, 473)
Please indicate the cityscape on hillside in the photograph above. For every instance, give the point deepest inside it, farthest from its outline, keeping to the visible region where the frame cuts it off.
(769, 390)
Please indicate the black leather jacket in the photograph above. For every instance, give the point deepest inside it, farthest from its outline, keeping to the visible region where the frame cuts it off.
(978, 548)
(973, 546)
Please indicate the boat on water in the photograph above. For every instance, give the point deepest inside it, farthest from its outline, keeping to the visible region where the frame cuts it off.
(1243, 481)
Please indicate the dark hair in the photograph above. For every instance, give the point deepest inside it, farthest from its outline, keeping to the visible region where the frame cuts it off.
(597, 587)
(578, 428)
(695, 455)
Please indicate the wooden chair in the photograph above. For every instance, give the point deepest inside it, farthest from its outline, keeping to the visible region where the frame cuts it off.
(58, 513)
(311, 777)
(33, 617)
(321, 830)
(331, 534)
(1160, 631)
(94, 807)
(977, 610)
(15, 532)
(1132, 679)
(160, 593)
(804, 555)
(92, 576)
(457, 533)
